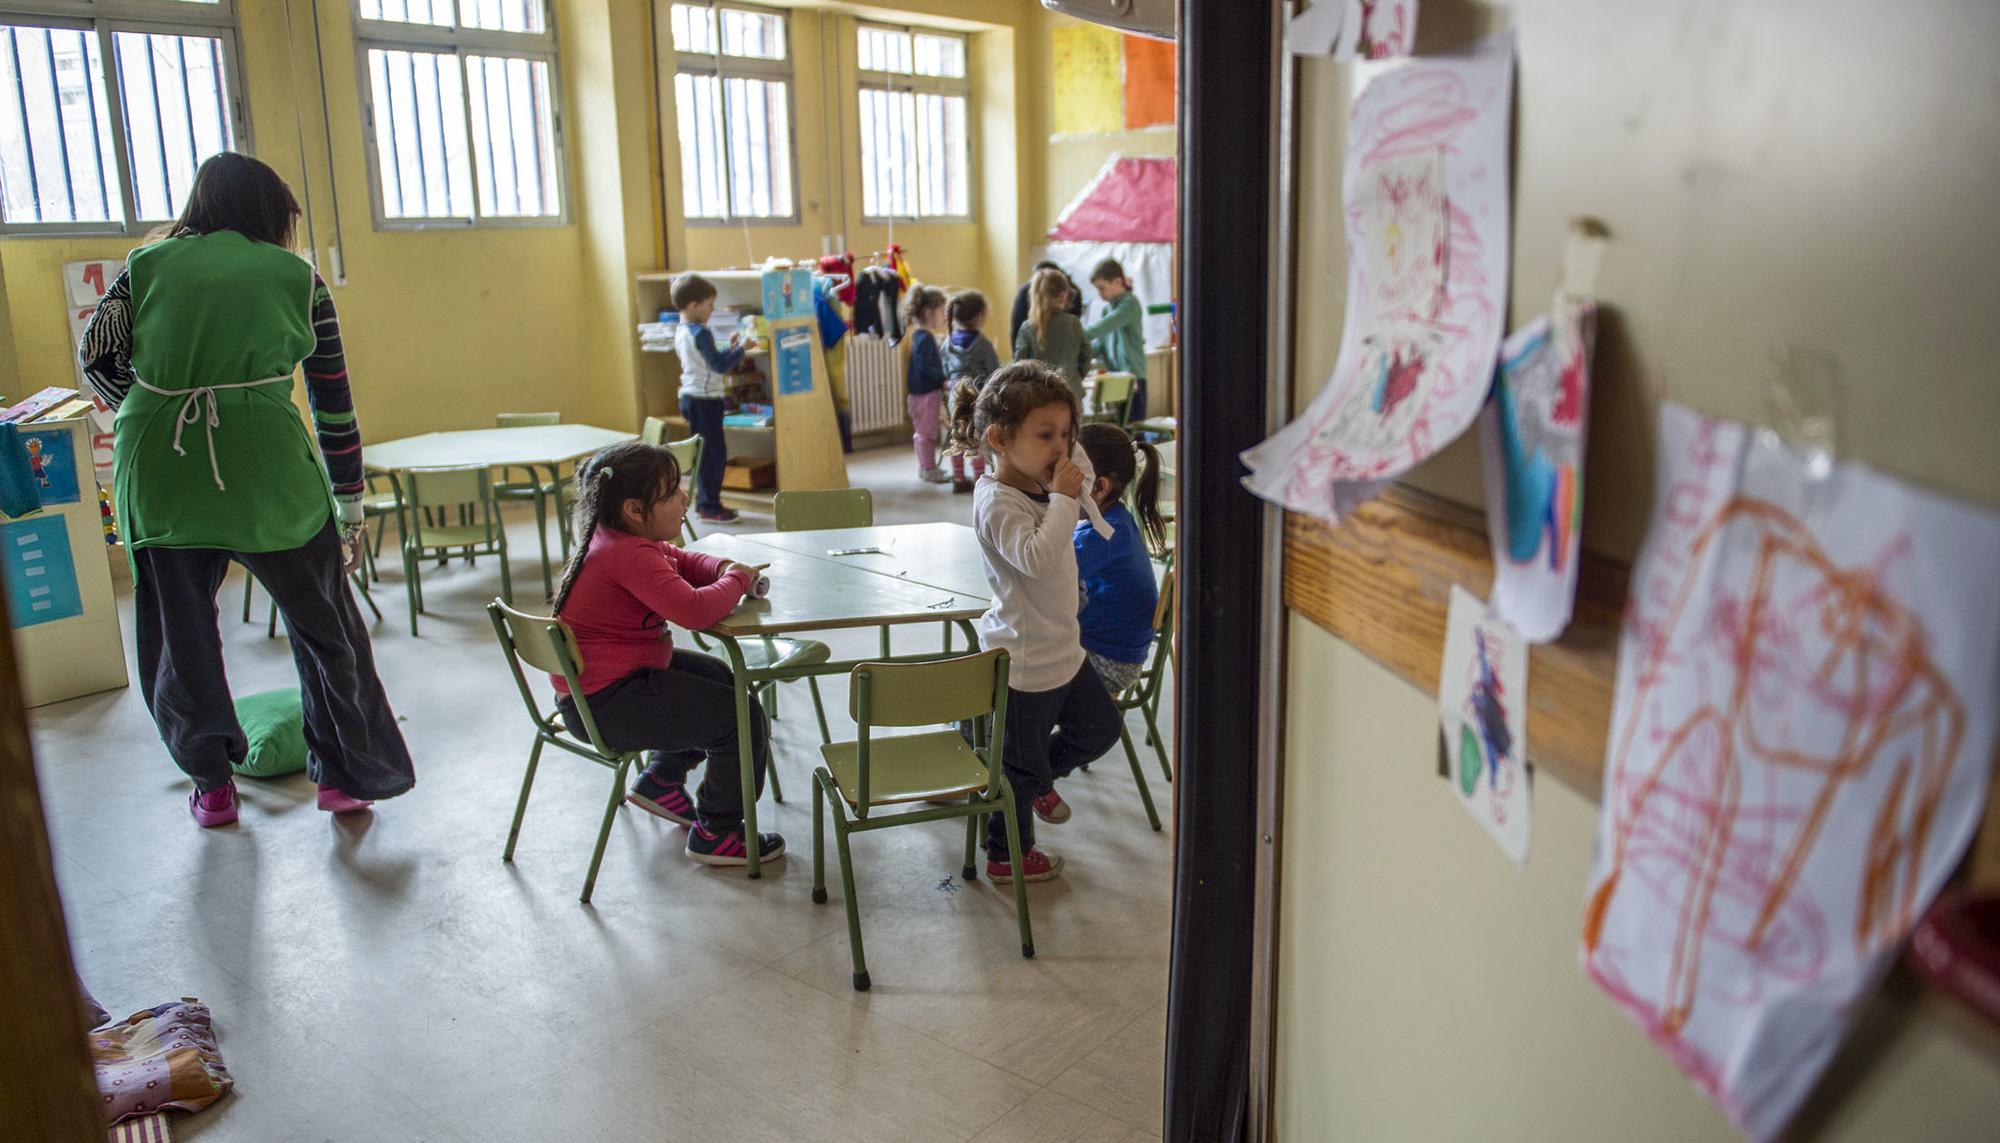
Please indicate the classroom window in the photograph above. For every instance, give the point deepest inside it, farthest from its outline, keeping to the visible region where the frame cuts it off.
(462, 110)
(733, 108)
(915, 136)
(104, 121)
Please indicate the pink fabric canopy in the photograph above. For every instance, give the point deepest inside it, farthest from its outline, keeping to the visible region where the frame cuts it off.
(1130, 200)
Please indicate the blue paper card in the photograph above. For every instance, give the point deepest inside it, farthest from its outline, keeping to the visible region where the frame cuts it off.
(795, 367)
(40, 575)
(52, 464)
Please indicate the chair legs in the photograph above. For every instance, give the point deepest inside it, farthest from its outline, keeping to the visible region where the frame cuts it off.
(604, 830)
(1008, 810)
(542, 537)
(822, 794)
(521, 804)
(1159, 742)
(412, 587)
(973, 824)
(1139, 776)
(819, 710)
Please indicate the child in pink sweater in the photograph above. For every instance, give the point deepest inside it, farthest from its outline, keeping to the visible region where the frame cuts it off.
(622, 587)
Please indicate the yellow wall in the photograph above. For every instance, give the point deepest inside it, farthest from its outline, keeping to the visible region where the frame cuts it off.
(445, 327)
(1770, 174)
(1074, 159)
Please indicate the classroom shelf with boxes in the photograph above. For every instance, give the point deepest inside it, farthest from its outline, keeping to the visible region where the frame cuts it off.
(777, 440)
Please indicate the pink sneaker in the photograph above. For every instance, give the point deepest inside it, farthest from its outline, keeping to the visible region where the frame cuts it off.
(215, 807)
(335, 802)
(1051, 808)
(1036, 865)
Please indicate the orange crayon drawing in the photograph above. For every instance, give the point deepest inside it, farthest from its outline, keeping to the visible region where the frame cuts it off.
(1805, 680)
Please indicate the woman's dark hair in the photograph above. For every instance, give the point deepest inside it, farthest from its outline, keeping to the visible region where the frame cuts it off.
(1115, 457)
(630, 471)
(1006, 399)
(920, 301)
(966, 306)
(233, 191)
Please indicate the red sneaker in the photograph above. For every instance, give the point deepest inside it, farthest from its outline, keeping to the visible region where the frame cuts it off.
(1036, 865)
(215, 807)
(335, 802)
(1051, 808)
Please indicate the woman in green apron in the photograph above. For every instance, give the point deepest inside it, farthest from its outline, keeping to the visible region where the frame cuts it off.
(195, 346)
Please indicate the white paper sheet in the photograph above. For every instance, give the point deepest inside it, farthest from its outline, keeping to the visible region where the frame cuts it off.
(1532, 437)
(1483, 711)
(1427, 283)
(1798, 753)
(1355, 29)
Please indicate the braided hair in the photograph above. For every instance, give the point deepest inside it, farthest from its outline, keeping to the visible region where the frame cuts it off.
(630, 471)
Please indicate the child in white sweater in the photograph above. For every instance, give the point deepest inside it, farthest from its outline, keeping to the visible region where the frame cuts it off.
(1059, 716)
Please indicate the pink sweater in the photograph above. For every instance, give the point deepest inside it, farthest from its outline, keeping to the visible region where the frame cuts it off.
(627, 592)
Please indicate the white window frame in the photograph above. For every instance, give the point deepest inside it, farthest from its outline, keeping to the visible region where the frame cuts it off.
(724, 67)
(397, 35)
(960, 86)
(105, 19)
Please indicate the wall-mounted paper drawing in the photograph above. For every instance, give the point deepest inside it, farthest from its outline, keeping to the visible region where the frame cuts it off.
(1355, 29)
(1482, 709)
(1425, 188)
(1532, 436)
(1798, 753)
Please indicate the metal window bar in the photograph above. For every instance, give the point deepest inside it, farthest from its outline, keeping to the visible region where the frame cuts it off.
(62, 126)
(27, 133)
(97, 140)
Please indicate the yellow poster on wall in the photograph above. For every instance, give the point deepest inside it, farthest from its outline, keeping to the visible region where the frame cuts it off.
(1090, 94)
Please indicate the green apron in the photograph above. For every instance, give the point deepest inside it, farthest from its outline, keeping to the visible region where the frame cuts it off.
(209, 451)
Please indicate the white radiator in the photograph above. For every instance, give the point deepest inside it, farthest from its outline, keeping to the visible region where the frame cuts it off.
(875, 384)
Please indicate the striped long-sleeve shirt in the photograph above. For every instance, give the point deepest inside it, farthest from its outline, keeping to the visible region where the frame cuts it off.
(106, 353)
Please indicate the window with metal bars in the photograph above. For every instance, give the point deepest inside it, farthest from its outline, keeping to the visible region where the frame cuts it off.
(91, 149)
(916, 149)
(733, 105)
(461, 105)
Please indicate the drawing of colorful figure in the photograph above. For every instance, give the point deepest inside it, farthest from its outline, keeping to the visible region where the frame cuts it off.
(38, 464)
(1540, 395)
(1485, 742)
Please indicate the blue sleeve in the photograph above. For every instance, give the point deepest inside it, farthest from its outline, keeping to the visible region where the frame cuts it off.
(926, 366)
(720, 362)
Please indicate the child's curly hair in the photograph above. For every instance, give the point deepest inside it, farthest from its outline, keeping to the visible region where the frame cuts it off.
(1005, 400)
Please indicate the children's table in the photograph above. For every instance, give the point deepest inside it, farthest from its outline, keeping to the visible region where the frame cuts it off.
(532, 447)
(926, 573)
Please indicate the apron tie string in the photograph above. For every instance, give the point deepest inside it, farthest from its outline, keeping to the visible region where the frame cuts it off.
(191, 412)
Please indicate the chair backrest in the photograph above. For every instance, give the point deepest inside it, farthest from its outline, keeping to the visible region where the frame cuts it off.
(825, 508)
(1113, 388)
(927, 694)
(687, 453)
(526, 420)
(448, 487)
(654, 431)
(1155, 673)
(546, 644)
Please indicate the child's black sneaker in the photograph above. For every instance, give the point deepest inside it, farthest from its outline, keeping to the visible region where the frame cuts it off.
(667, 800)
(723, 516)
(726, 847)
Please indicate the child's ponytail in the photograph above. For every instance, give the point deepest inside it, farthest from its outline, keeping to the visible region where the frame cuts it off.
(962, 439)
(1146, 500)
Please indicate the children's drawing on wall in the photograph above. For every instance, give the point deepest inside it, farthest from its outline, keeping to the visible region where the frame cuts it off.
(1425, 187)
(1355, 29)
(52, 464)
(1532, 436)
(1482, 709)
(1798, 753)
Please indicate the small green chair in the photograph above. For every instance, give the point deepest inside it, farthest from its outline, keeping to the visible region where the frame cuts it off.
(825, 509)
(872, 773)
(446, 489)
(687, 454)
(378, 507)
(1113, 389)
(1144, 695)
(538, 490)
(548, 645)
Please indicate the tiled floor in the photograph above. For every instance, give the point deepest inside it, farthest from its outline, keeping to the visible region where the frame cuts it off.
(390, 979)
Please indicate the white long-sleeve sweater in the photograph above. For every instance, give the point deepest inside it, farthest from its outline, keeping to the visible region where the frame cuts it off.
(1026, 544)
